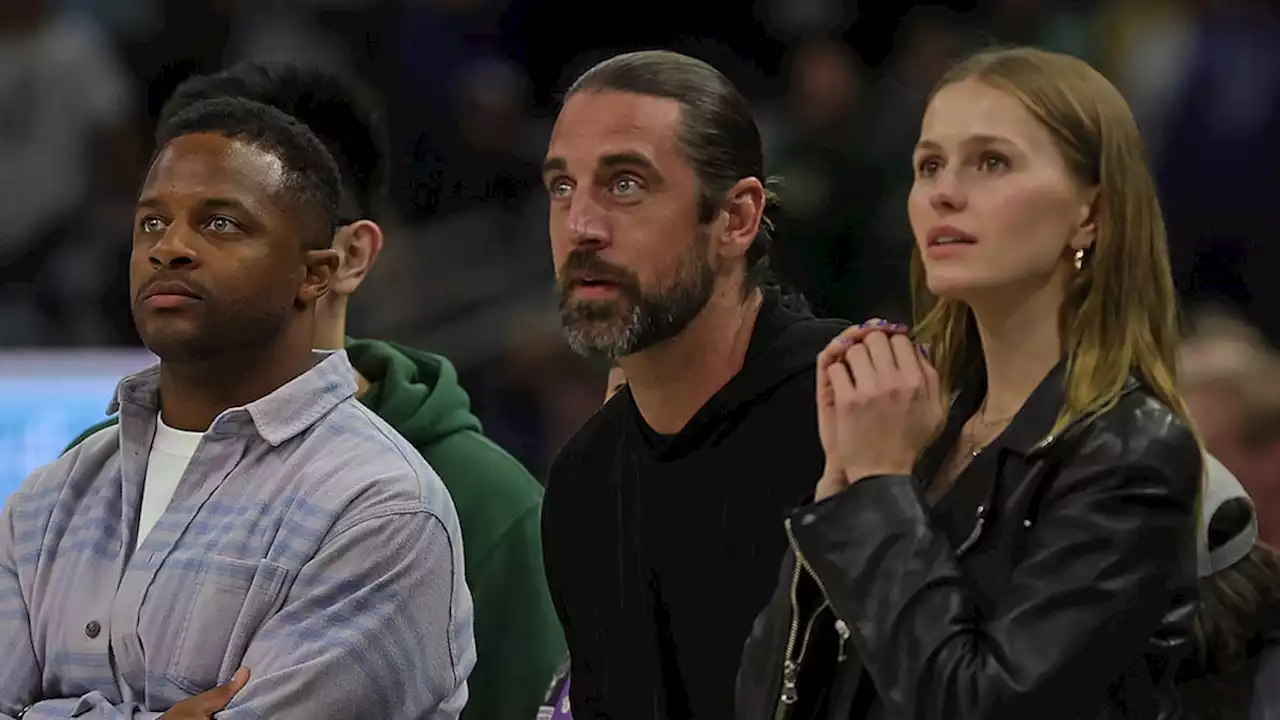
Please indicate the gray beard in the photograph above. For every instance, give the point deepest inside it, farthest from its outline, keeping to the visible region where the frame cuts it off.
(601, 331)
(593, 339)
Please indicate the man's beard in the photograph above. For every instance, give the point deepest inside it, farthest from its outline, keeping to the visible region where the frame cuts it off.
(635, 320)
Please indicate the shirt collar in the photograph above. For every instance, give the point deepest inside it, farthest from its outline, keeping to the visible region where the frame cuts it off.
(1033, 422)
(275, 417)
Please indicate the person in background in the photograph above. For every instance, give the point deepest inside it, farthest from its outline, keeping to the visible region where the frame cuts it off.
(66, 135)
(1233, 672)
(1005, 527)
(1231, 379)
(660, 523)
(248, 535)
(518, 639)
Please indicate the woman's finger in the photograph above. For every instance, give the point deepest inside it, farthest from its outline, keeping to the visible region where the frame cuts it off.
(861, 370)
(850, 336)
(825, 396)
(907, 360)
(881, 353)
(842, 389)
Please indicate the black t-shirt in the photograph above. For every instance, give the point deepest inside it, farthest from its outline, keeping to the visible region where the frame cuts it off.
(661, 551)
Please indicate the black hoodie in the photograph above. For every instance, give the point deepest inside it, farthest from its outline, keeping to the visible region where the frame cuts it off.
(660, 551)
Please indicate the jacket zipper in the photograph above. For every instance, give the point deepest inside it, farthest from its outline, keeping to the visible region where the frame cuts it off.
(792, 662)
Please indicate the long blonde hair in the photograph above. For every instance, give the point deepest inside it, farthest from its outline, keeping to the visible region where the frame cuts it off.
(1118, 316)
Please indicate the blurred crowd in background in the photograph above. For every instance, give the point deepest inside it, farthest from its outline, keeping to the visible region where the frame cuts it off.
(469, 91)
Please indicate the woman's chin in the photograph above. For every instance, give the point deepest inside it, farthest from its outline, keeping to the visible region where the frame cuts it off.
(954, 286)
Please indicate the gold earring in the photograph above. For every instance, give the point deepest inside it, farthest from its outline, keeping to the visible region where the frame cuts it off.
(1079, 261)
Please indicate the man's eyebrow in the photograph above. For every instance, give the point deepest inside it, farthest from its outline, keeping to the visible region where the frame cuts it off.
(224, 203)
(553, 164)
(627, 158)
(149, 202)
(558, 164)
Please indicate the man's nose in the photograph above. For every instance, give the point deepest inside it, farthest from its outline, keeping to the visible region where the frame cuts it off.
(174, 249)
(588, 222)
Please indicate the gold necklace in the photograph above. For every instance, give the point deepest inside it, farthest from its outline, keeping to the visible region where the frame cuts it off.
(972, 446)
(968, 449)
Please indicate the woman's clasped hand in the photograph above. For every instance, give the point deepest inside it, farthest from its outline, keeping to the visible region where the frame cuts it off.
(879, 404)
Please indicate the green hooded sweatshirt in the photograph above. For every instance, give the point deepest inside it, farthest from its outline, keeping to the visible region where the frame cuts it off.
(519, 643)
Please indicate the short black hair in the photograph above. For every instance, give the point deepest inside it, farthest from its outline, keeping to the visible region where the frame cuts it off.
(341, 111)
(718, 133)
(313, 182)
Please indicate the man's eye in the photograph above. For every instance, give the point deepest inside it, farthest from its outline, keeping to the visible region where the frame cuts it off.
(560, 188)
(152, 224)
(222, 224)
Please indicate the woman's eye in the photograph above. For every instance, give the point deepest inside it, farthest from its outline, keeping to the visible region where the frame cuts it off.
(992, 161)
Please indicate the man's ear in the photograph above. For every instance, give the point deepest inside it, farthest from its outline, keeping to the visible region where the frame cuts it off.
(741, 214)
(358, 246)
(321, 269)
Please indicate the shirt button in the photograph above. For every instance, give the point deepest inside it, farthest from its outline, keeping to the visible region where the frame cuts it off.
(92, 629)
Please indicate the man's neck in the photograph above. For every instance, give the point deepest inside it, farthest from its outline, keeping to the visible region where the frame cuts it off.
(672, 380)
(331, 332)
(1020, 347)
(192, 395)
(331, 323)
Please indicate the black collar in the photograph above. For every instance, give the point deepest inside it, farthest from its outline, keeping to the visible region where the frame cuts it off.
(1028, 429)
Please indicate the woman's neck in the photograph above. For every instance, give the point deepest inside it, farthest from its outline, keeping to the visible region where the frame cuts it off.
(1021, 344)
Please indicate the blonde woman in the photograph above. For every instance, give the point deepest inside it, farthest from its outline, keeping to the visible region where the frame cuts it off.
(1006, 528)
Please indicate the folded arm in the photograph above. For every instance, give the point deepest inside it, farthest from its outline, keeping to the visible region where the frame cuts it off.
(1097, 576)
(378, 624)
(93, 706)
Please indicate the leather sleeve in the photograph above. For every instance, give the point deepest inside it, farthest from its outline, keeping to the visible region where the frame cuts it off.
(1097, 574)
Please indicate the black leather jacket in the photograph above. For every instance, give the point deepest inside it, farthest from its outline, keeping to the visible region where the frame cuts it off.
(1071, 598)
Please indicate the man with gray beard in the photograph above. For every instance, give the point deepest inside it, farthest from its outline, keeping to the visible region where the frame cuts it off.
(662, 523)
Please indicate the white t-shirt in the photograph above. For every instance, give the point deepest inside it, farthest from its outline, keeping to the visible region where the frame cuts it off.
(171, 451)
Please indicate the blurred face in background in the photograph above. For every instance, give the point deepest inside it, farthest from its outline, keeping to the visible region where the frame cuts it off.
(825, 84)
(633, 263)
(995, 211)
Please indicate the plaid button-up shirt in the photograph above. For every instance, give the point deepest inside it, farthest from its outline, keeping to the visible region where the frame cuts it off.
(307, 541)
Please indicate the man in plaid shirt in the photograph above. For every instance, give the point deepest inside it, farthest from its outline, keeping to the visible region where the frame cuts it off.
(250, 540)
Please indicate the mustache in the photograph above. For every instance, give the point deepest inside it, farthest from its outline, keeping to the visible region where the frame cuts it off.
(582, 264)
